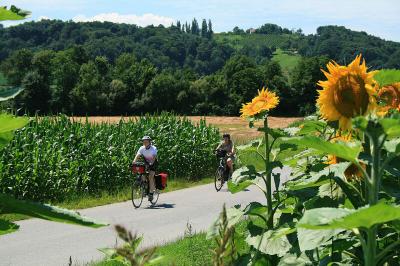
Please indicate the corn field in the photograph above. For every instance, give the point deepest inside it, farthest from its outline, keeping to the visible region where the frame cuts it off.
(54, 158)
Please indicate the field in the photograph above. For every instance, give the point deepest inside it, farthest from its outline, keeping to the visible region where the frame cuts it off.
(236, 126)
(287, 60)
(254, 40)
(388, 76)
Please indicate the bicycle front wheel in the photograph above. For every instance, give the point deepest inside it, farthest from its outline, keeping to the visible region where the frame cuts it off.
(138, 192)
(219, 179)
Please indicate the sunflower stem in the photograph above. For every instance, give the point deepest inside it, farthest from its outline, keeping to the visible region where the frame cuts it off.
(373, 190)
(270, 223)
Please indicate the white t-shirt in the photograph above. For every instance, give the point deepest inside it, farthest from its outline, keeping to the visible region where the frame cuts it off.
(148, 154)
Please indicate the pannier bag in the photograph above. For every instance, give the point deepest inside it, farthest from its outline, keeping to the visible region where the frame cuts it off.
(161, 181)
(138, 168)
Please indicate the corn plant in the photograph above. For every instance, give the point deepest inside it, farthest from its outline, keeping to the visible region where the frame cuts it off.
(53, 158)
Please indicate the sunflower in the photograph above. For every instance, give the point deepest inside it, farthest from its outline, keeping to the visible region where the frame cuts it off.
(264, 101)
(389, 97)
(352, 173)
(348, 92)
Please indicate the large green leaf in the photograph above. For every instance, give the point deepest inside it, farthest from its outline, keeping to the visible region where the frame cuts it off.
(317, 179)
(235, 188)
(291, 259)
(334, 218)
(7, 93)
(268, 244)
(7, 227)
(310, 127)
(391, 126)
(311, 239)
(13, 13)
(348, 151)
(10, 123)
(8, 204)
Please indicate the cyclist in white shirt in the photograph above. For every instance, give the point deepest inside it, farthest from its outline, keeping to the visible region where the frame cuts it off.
(149, 154)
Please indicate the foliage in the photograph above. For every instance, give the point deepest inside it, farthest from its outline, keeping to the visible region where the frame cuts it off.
(387, 76)
(225, 250)
(129, 254)
(327, 213)
(117, 69)
(54, 158)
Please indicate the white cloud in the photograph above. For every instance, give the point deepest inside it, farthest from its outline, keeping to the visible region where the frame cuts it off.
(143, 20)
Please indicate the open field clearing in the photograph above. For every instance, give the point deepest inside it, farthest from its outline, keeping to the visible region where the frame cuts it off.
(236, 126)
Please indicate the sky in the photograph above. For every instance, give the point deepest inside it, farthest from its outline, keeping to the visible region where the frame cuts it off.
(376, 17)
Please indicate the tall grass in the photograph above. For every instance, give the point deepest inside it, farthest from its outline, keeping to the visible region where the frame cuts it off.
(55, 158)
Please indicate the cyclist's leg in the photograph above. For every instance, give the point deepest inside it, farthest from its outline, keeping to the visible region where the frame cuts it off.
(229, 163)
(152, 184)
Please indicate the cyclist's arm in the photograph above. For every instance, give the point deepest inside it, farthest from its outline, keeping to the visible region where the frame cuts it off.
(138, 155)
(233, 149)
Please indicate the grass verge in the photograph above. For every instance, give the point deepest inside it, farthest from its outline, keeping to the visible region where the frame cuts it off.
(88, 201)
(193, 249)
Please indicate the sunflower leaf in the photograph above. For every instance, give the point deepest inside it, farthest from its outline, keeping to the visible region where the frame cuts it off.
(348, 151)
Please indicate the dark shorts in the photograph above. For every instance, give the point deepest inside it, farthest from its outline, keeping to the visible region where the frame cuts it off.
(152, 167)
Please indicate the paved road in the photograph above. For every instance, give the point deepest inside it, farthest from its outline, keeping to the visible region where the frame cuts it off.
(41, 242)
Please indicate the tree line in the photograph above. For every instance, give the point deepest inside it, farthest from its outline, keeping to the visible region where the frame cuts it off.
(71, 82)
(116, 69)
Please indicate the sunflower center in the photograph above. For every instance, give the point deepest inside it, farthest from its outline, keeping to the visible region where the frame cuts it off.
(390, 96)
(350, 96)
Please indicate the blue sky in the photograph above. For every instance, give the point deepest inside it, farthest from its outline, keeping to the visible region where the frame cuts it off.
(377, 17)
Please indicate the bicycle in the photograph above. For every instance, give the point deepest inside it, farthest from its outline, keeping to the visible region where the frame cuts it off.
(140, 186)
(222, 172)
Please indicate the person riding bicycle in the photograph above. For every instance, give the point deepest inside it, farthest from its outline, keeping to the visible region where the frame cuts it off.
(149, 154)
(228, 146)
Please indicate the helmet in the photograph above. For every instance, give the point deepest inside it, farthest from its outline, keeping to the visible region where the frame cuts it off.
(226, 135)
(146, 138)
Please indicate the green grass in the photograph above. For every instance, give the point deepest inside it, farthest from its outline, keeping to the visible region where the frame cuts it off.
(387, 76)
(286, 60)
(88, 201)
(192, 250)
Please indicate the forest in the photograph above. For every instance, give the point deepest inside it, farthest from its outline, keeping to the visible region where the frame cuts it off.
(105, 68)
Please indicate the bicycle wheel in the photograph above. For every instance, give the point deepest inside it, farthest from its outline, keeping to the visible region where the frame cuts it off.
(156, 194)
(219, 179)
(138, 192)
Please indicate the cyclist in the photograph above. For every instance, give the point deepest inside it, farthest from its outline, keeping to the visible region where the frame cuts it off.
(149, 154)
(228, 146)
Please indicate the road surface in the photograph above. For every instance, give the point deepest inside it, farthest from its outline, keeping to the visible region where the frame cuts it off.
(39, 242)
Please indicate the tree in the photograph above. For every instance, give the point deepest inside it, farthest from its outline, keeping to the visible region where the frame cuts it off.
(178, 25)
(17, 65)
(210, 31)
(64, 76)
(204, 29)
(304, 83)
(195, 27)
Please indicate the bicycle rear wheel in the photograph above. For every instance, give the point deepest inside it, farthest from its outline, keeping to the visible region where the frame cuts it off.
(138, 192)
(219, 179)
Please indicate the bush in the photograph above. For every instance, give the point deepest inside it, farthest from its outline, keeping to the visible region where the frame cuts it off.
(53, 158)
